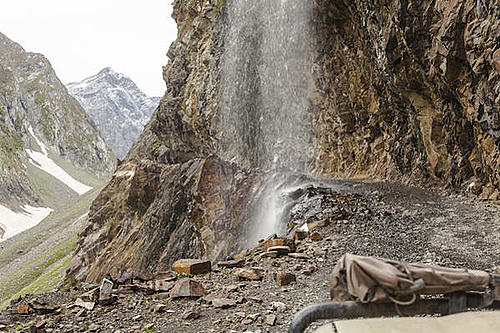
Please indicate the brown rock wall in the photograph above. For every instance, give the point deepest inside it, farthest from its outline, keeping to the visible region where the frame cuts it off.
(408, 90)
(152, 214)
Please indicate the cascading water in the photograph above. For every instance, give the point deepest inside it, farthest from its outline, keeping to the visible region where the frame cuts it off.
(266, 79)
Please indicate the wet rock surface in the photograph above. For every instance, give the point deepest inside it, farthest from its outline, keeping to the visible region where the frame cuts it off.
(379, 219)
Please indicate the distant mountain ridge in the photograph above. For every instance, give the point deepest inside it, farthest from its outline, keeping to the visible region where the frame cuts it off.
(50, 149)
(118, 107)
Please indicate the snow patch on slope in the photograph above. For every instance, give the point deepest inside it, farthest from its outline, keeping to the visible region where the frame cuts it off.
(13, 223)
(44, 162)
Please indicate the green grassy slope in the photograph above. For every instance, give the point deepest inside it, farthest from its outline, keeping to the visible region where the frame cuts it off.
(35, 260)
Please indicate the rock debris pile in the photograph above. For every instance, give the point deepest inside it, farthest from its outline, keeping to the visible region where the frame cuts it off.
(260, 289)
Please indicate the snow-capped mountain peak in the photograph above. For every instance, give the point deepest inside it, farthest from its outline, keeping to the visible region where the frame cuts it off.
(119, 108)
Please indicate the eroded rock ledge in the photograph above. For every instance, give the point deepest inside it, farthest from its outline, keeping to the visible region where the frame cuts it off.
(152, 214)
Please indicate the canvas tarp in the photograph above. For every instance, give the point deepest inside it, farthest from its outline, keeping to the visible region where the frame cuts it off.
(369, 279)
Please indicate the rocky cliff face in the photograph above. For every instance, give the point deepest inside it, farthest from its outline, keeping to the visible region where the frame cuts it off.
(152, 213)
(406, 90)
(40, 121)
(117, 106)
(409, 90)
(403, 90)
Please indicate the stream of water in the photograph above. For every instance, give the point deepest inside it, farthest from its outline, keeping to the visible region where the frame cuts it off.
(266, 80)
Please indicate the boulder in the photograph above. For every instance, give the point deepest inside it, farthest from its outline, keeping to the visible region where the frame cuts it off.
(162, 285)
(105, 289)
(270, 319)
(86, 305)
(300, 235)
(23, 308)
(187, 288)
(315, 236)
(278, 242)
(191, 266)
(280, 250)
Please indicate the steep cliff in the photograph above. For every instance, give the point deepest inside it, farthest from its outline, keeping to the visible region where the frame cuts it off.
(151, 213)
(118, 107)
(402, 90)
(409, 90)
(48, 143)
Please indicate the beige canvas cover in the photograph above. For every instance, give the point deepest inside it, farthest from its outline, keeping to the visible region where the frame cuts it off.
(369, 279)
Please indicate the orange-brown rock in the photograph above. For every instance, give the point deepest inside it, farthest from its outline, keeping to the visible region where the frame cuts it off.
(299, 235)
(279, 242)
(23, 308)
(316, 236)
(284, 278)
(191, 266)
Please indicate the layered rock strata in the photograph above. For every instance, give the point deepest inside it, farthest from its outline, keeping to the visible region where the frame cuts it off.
(152, 214)
(409, 90)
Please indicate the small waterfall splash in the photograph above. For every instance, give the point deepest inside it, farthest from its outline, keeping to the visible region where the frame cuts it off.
(264, 114)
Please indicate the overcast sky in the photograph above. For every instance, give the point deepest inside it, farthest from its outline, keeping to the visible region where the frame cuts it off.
(81, 37)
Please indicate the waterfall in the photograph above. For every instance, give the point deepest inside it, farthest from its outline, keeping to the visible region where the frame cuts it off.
(266, 81)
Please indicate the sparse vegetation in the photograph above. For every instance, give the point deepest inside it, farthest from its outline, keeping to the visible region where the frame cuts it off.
(31, 275)
(46, 270)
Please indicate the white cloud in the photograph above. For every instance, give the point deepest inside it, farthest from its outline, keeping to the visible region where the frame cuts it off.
(82, 37)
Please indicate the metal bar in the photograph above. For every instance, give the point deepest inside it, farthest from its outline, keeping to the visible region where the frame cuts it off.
(351, 310)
